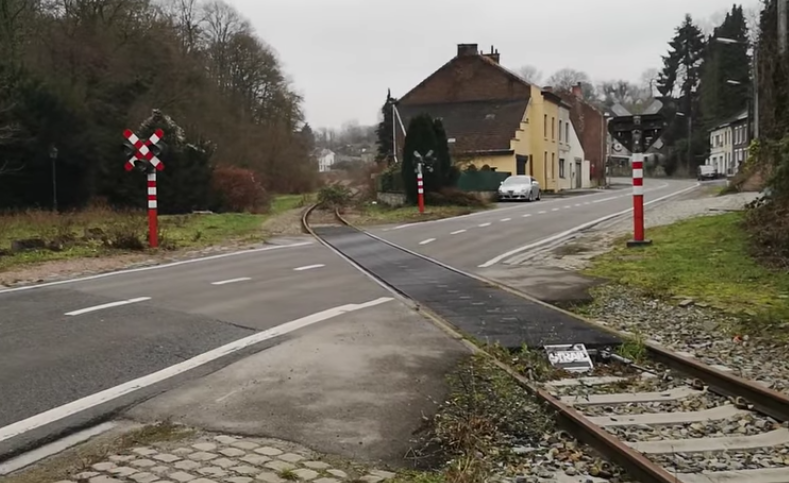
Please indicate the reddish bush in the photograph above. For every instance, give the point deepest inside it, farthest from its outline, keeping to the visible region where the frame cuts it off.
(237, 189)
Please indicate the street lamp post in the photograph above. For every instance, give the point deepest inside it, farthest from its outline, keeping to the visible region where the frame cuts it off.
(53, 156)
(607, 151)
(690, 151)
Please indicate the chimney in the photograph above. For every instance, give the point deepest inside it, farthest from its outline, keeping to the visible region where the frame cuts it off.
(493, 55)
(578, 91)
(467, 50)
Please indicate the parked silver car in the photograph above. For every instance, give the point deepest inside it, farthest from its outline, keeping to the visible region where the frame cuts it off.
(520, 188)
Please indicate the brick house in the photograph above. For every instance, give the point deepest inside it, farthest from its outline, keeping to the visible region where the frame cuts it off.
(590, 125)
(491, 115)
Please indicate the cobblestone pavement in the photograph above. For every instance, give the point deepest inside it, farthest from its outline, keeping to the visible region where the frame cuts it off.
(222, 459)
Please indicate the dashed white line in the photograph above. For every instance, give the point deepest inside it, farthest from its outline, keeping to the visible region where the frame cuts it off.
(107, 306)
(506, 219)
(232, 280)
(429, 240)
(542, 212)
(309, 267)
(484, 225)
(88, 402)
(527, 215)
(458, 232)
(566, 207)
(605, 199)
(555, 209)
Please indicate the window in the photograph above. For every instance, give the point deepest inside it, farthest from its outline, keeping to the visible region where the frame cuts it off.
(553, 165)
(560, 130)
(553, 128)
(567, 132)
(545, 125)
(561, 168)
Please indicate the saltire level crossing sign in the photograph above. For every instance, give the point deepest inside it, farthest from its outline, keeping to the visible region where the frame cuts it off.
(143, 149)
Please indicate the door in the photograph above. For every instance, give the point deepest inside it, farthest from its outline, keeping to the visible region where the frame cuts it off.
(579, 179)
(520, 164)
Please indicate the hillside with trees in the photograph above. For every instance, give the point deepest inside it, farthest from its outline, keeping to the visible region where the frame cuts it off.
(75, 73)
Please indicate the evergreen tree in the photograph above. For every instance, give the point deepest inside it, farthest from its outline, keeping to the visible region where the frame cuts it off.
(384, 132)
(679, 79)
(723, 63)
(447, 173)
(420, 137)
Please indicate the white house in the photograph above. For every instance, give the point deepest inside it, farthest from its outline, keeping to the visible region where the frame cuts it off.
(721, 148)
(325, 160)
(574, 170)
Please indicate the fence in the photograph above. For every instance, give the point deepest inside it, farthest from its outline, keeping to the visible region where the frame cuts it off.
(480, 181)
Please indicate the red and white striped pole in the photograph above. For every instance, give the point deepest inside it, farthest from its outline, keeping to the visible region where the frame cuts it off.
(638, 201)
(153, 228)
(420, 188)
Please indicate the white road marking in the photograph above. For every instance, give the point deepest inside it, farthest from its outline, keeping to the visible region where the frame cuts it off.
(577, 229)
(605, 199)
(555, 209)
(157, 267)
(429, 240)
(506, 219)
(566, 207)
(74, 407)
(484, 225)
(586, 203)
(542, 212)
(309, 267)
(578, 204)
(107, 306)
(527, 215)
(458, 232)
(232, 280)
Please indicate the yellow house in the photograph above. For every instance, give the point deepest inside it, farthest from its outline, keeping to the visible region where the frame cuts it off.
(492, 117)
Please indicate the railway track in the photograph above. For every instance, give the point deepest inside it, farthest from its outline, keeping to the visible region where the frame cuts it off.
(675, 420)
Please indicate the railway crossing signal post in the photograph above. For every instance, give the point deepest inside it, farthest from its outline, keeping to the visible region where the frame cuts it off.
(637, 134)
(143, 155)
(420, 184)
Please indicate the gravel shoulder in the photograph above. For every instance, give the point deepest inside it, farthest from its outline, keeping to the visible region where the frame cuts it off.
(714, 333)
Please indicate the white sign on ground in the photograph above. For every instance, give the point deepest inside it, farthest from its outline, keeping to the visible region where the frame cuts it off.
(570, 357)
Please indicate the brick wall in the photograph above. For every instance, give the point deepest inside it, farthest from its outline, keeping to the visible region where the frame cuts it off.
(589, 123)
(471, 77)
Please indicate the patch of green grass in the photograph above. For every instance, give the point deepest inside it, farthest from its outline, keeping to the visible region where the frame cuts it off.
(370, 214)
(99, 232)
(284, 203)
(706, 259)
(288, 475)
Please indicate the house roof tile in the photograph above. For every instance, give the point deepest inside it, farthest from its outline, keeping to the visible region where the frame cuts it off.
(478, 126)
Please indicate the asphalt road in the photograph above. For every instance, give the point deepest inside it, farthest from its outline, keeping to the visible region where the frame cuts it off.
(62, 345)
(485, 239)
(78, 351)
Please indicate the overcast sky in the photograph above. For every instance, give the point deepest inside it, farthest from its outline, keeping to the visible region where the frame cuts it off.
(343, 54)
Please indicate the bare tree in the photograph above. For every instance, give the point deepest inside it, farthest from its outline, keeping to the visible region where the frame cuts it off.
(649, 80)
(567, 78)
(530, 74)
(752, 15)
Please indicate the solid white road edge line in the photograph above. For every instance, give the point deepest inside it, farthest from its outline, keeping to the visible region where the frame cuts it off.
(309, 267)
(232, 280)
(72, 408)
(498, 210)
(156, 267)
(107, 306)
(578, 228)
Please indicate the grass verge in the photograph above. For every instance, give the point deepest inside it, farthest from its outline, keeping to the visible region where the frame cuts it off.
(708, 260)
(39, 236)
(80, 458)
(369, 214)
